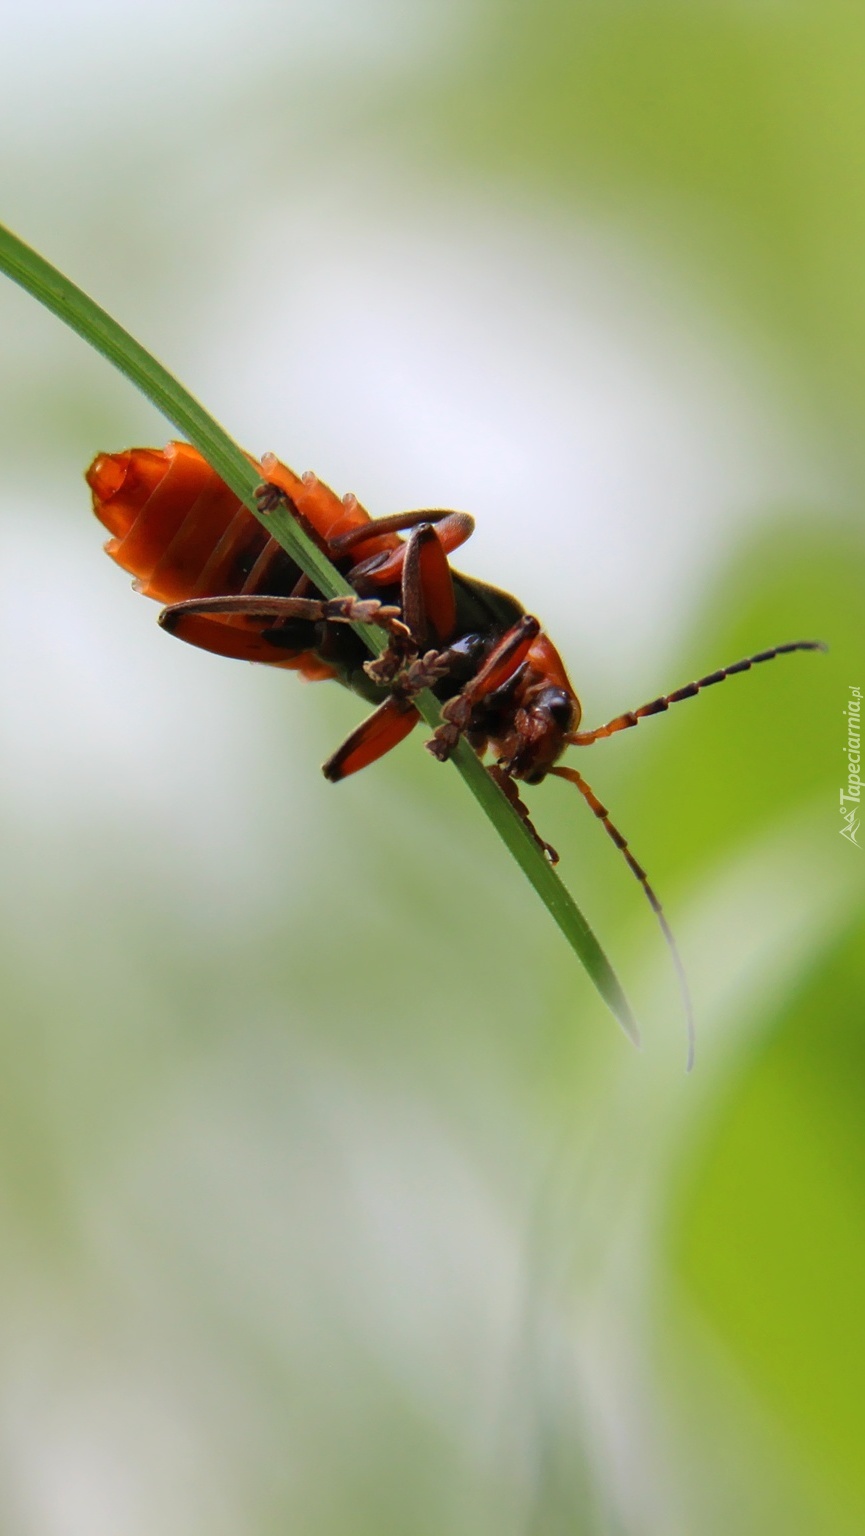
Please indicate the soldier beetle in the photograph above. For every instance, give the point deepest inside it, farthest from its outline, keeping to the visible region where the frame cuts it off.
(228, 587)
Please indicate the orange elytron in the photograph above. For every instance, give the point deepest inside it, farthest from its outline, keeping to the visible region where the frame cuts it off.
(228, 587)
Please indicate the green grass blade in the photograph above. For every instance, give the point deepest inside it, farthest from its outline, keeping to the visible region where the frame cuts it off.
(92, 323)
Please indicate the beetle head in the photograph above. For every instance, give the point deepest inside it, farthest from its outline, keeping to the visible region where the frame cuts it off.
(541, 725)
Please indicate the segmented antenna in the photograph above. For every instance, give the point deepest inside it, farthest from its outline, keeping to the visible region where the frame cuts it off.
(622, 844)
(634, 716)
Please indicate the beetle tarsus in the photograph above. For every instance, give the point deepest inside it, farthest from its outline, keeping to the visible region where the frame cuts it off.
(456, 718)
(269, 496)
(365, 610)
(424, 672)
(386, 668)
(509, 789)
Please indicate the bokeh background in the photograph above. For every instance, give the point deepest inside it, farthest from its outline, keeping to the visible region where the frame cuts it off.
(330, 1198)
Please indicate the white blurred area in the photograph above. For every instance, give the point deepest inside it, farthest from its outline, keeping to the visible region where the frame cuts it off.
(456, 350)
(242, 1269)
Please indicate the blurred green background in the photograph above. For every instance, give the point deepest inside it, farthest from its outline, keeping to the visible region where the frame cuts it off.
(330, 1198)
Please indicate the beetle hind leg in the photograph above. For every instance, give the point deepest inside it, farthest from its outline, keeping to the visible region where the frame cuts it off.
(346, 610)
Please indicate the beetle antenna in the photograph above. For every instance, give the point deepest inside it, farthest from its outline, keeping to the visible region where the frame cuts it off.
(622, 844)
(634, 716)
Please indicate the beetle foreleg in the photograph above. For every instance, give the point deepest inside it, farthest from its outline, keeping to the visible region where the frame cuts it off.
(509, 788)
(504, 659)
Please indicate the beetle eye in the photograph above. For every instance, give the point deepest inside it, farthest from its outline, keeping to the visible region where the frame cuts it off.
(559, 705)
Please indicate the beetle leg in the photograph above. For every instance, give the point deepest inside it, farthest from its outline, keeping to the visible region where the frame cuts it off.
(429, 612)
(424, 672)
(504, 659)
(449, 525)
(509, 788)
(452, 529)
(429, 606)
(385, 728)
(384, 569)
(634, 716)
(347, 610)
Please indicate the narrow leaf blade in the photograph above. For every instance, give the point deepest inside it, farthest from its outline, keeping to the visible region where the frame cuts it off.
(58, 294)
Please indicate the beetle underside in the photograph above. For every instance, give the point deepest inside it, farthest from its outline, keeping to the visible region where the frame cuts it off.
(230, 588)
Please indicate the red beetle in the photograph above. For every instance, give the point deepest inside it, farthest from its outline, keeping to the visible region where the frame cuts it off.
(230, 588)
